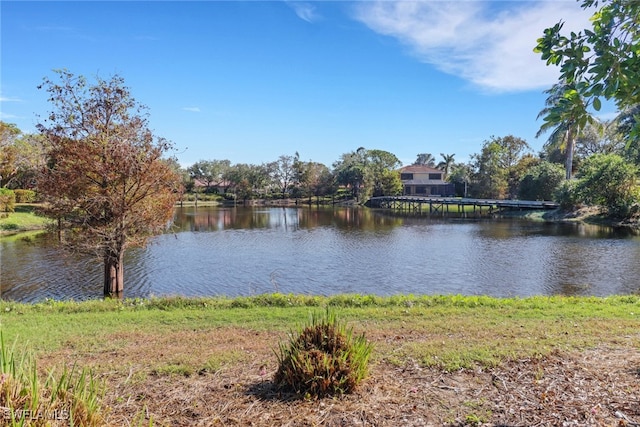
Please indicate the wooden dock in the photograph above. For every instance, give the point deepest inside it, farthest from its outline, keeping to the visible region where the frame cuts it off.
(434, 204)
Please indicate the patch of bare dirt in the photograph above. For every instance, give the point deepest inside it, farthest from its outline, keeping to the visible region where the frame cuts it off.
(598, 387)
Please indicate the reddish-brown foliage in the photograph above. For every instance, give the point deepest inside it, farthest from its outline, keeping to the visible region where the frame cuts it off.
(105, 179)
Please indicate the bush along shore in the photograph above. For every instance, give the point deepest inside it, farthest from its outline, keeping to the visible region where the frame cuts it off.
(432, 360)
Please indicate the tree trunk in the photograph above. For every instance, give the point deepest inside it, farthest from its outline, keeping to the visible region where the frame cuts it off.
(114, 275)
(569, 166)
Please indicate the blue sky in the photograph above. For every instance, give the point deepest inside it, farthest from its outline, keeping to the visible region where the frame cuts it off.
(250, 81)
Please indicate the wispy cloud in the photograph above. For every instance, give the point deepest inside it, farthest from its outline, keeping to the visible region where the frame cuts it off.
(191, 109)
(305, 11)
(5, 116)
(9, 99)
(487, 43)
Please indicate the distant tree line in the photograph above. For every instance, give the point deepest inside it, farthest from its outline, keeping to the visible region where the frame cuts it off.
(505, 168)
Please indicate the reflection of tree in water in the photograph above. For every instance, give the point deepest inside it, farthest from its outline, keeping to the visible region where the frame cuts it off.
(363, 219)
(289, 219)
(217, 219)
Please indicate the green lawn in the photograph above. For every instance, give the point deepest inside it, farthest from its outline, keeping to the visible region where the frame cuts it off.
(445, 331)
(23, 219)
(153, 361)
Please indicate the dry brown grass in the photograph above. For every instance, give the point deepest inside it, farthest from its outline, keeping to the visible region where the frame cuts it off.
(224, 377)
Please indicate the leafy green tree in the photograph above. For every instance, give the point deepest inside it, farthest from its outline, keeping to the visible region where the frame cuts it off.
(461, 176)
(608, 180)
(390, 183)
(367, 172)
(30, 150)
(247, 180)
(489, 176)
(9, 133)
(7, 201)
(105, 180)
(350, 171)
(516, 173)
(566, 195)
(380, 172)
(497, 167)
(602, 61)
(210, 172)
(283, 172)
(185, 176)
(314, 179)
(238, 177)
(541, 181)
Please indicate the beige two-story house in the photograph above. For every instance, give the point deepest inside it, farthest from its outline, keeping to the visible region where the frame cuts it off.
(422, 180)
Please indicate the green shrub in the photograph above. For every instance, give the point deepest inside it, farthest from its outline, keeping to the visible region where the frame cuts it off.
(541, 181)
(566, 195)
(608, 180)
(7, 200)
(324, 359)
(25, 196)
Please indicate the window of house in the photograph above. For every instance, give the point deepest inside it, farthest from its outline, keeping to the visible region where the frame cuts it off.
(421, 189)
(435, 176)
(406, 176)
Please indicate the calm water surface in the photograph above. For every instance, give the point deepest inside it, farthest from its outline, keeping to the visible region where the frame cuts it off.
(243, 251)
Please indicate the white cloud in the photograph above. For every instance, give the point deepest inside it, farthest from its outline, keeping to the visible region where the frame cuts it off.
(7, 99)
(5, 116)
(192, 109)
(305, 11)
(487, 43)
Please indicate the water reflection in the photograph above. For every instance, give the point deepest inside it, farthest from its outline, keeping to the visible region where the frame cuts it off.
(243, 251)
(289, 219)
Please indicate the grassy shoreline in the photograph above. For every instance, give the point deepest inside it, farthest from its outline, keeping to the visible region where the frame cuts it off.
(474, 327)
(23, 220)
(158, 357)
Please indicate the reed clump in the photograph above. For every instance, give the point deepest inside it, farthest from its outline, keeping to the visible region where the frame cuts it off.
(72, 397)
(324, 359)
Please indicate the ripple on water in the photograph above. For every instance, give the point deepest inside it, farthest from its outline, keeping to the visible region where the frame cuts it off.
(324, 255)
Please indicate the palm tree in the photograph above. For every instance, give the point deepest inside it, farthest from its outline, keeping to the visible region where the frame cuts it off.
(446, 164)
(627, 121)
(565, 114)
(425, 159)
(627, 126)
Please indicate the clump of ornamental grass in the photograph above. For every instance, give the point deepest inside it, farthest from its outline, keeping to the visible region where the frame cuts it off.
(324, 359)
(71, 398)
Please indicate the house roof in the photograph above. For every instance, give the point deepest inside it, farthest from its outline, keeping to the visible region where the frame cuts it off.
(419, 169)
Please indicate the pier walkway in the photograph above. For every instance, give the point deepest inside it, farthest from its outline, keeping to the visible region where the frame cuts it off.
(419, 204)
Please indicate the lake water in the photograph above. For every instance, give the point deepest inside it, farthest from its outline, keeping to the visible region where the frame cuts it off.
(247, 251)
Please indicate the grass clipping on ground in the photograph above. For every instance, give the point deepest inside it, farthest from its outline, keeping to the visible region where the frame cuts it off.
(438, 360)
